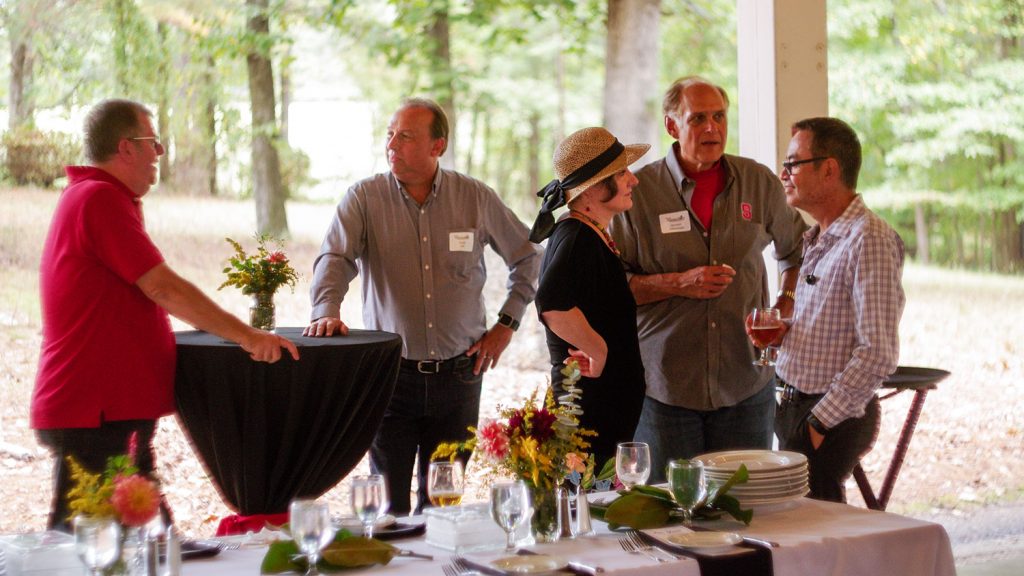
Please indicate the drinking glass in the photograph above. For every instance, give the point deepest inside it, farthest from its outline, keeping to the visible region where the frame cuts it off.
(97, 542)
(686, 480)
(765, 327)
(445, 482)
(510, 506)
(311, 528)
(369, 500)
(632, 463)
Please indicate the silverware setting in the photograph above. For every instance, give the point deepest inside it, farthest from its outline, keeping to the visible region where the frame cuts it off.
(632, 544)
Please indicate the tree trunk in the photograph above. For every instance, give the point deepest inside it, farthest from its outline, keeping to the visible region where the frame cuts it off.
(441, 76)
(163, 118)
(533, 157)
(209, 126)
(921, 229)
(122, 67)
(21, 107)
(266, 167)
(631, 93)
(286, 93)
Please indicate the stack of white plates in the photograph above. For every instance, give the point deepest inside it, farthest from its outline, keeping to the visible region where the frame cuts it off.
(775, 476)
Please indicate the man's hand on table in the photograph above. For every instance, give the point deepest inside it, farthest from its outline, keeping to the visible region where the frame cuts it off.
(266, 346)
(489, 347)
(326, 326)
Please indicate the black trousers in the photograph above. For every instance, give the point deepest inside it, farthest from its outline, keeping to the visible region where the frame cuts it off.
(91, 447)
(845, 444)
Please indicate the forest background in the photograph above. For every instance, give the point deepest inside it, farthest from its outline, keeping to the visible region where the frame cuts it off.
(269, 109)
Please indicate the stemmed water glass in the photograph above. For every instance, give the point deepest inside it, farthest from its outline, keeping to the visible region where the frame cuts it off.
(97, 542)
(369, 500)
(765, 327)
(445, 483)
(632, 463)
(510, 506)
(688, 485)
(310, 522)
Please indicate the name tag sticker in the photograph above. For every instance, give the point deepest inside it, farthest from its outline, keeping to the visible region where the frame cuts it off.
(460, 242)
(675, 222)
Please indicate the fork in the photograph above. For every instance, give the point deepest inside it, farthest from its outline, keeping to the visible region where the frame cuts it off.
(630, 547)
(450, 570)
(463, 567)
(641, 544)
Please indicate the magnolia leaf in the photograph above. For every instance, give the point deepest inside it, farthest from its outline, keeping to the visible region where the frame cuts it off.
(654, 492)
(727, 503)
(279, 558)
(608, 470)
(639, 511)
(358, 552)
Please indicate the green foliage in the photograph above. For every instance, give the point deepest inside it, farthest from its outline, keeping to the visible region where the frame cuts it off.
(294, 170)
(35, 157)
(260, 273)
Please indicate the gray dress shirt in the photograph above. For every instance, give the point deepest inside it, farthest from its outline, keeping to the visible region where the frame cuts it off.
(423, 266)
(696, 353)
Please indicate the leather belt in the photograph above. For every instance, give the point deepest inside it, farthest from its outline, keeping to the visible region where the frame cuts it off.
(437, 366)
(790, 394)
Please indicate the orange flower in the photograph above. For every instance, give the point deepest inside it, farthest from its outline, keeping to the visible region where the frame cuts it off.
(135, 499)
(575, 463)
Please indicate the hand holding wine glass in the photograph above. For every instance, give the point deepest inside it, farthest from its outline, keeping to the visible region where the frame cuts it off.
(445, 481)
(310, 523)
(688, 485)
(510, 506)
(765, 328)
(369, 500)
(632, 463)
(97, 542)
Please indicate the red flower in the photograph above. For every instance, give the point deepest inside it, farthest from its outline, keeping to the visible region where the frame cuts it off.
(136, 499)
(515, 422)
(493, 440)
(542, 421)
(275, 257)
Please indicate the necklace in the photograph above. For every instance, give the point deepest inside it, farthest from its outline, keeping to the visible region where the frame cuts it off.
(604, 233)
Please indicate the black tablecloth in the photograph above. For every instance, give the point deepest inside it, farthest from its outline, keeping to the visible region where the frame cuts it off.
(268, 433)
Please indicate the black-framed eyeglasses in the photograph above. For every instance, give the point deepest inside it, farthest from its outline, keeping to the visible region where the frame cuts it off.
(154, 139)
(788, 165)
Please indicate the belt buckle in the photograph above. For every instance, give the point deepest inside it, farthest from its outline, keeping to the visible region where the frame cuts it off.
(421, 366)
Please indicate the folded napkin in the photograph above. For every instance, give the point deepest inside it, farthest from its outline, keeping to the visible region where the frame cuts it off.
(746, 558)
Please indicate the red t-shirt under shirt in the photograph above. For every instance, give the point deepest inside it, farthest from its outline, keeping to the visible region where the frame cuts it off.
(708, 184)
(108, 352)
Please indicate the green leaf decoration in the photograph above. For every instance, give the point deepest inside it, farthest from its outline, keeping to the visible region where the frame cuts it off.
(639, 511)
(279, 558)
(608, 470)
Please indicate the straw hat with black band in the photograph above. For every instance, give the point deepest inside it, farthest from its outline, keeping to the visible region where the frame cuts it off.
(581, 160)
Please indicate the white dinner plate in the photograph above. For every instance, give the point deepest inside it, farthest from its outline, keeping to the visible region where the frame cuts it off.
(741, 496)
(352, 523)
(795, 475)
(529, 563)
(705, 540)
(747, 502)
(756, 460)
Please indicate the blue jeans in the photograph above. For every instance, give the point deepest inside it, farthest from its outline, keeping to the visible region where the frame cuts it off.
(675, 432)
(425, 410)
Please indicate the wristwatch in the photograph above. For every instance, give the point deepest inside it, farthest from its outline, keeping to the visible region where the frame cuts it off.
(816, 424)
(791, 294)
(508, 321)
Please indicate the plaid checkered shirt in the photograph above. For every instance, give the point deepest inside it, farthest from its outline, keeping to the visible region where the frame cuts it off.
(844, 339)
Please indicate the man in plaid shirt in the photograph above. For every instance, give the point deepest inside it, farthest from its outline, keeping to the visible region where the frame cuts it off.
(843, 340)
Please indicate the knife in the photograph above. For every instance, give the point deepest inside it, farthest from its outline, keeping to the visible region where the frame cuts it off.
(584, 569)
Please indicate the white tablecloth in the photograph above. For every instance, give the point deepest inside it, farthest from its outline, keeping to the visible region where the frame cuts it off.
(815, 538)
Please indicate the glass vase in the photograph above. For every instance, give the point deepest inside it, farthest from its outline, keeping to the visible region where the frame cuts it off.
(545, 514)
(262, 312)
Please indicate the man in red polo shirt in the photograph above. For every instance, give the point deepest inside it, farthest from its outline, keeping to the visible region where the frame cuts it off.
(106, 368)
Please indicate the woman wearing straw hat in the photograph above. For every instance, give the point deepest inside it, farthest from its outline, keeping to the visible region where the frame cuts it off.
(584, 299)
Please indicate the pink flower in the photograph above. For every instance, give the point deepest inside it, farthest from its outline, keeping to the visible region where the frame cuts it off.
(133, 446)
(493, 440)
(135, 499)
(275, 257)
(575, 463)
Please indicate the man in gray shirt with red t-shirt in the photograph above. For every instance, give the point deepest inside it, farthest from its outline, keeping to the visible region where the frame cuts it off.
(693, 242)
(416, 235)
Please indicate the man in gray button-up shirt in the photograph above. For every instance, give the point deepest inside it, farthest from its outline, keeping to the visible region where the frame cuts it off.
(416, 235)
(693, 242)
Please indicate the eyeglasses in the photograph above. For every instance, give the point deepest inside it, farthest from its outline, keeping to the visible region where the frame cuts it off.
(787, 166)
(154, 139)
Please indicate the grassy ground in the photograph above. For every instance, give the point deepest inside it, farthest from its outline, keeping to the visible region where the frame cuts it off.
(967, 451)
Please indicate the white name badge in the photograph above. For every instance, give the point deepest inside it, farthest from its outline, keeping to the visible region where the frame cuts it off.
(460, 242)
(675, 222)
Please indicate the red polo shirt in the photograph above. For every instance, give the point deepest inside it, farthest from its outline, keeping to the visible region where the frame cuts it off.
(108, 352)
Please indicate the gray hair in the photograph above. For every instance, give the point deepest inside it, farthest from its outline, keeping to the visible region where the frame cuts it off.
(107, 124)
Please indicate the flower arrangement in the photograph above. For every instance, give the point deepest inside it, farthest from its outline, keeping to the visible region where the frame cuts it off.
(542, 445)
(119, 492)
(260, 273)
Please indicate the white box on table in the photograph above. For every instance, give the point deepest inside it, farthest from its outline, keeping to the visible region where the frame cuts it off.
(469, 528)
(37, 553)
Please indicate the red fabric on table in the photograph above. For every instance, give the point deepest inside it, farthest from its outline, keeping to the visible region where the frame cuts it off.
(236, 524)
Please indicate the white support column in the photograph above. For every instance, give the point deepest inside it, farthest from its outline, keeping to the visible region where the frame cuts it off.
(783, 76)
